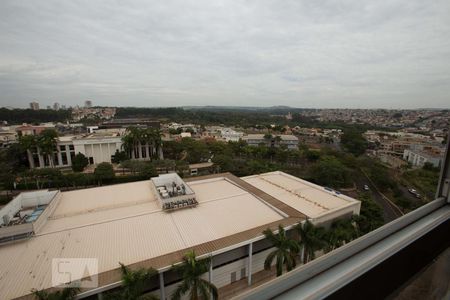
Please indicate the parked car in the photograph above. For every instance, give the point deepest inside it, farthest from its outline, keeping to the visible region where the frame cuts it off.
(366, 187)
(412, 191)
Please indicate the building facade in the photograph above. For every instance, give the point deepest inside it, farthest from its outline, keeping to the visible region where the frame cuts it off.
(97, 149)
(289, 141)
(418, 158)
(229, 134)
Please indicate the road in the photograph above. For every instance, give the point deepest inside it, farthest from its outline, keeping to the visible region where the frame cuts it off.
(409, 196)
(390, 212)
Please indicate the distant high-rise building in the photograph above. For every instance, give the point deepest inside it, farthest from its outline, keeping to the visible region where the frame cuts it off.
(49, 107)
(63, 106)
(56, 106)
(88, 104)
(34, 105)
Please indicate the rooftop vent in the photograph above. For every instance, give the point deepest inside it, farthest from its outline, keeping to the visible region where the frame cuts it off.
(172, 192)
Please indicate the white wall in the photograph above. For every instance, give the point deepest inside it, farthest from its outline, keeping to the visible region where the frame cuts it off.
(11, 208)
(27, 199)
(222, 275)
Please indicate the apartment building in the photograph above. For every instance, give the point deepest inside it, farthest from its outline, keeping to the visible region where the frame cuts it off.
(418, 158)
(290, 141)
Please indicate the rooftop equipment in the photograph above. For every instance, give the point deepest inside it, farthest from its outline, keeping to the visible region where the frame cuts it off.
(172, 192)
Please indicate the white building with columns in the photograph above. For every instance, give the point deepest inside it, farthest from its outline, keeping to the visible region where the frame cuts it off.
(126, 223)
(97, 147)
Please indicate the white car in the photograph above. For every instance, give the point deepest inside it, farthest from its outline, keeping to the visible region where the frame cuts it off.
(366, 187)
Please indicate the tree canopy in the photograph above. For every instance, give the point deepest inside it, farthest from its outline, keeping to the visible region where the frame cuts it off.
(191, 271)
(79, 162)
(353, 141)
(329, 171)
(104, 172)
(286, 249)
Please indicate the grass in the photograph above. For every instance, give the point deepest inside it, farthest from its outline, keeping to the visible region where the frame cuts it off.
(425, 181)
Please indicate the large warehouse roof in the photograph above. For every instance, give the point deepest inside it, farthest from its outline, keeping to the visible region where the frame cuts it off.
(124, 223)
(308, 198)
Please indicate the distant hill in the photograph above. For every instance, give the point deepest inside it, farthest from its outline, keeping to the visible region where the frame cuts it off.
(211, 107)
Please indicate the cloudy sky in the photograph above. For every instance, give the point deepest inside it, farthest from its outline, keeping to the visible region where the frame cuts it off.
(357, 54)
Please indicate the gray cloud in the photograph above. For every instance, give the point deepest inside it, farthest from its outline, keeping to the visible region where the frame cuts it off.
(393, 54)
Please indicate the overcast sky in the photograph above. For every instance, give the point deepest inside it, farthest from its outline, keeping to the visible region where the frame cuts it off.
(356, 54)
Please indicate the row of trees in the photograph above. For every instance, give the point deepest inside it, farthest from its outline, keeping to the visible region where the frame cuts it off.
(20, 116)
(138, 139)
(310, 239)
(135, 283)
(54, 178)
(45, 143)
(327, 167)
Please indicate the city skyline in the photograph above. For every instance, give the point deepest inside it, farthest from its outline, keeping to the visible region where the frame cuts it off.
(393, 55)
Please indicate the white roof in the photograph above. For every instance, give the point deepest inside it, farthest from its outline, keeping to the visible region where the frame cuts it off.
(257, 136)
(124, 223)
(306, 197)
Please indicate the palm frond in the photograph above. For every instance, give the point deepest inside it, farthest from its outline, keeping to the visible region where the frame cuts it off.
(269, 260)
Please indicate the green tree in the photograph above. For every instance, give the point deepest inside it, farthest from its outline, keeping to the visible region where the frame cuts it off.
(224, 162)
(64, 294)
(20, 116)
(312, 155)
(148, 170)
(135, 138)
(370, 216)
(311, 240)
(104, 172)
(44, 176)
(268, 137)
(46, 142)
(191, 271)
(340, 232)
(197, 151)
(330, 171)
(143, 168)
(79, 162)
(134, 284)
(285, 252)
(119, 156)
(174, 131)
(353, 141)
(181, 167)
(27, 142)
(134, 166)
(164, 165)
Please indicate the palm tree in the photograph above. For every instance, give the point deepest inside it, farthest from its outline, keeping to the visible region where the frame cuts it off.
(64, 294)
(157, 140)
(340, 233)
(46, 142)
(134, 284)
(26, 144)
(191, 270)
(285, 252)
(127, 144)
(310, 239)
(131, 140)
